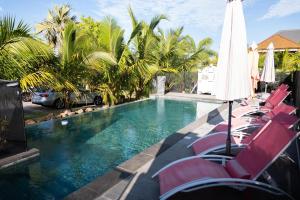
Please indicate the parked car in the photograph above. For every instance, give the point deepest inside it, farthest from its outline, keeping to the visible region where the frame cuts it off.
(49, 97)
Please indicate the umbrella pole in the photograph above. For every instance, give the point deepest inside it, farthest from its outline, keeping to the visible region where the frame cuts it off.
(228, 140)
(266, 88)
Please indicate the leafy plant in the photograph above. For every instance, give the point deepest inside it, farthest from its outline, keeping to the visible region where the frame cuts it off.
(290, 61)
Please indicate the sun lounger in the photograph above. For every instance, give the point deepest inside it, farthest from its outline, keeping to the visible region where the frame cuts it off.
(241, 172)
(240, 124)
(276, 100)
(216, 142)
(282, 87)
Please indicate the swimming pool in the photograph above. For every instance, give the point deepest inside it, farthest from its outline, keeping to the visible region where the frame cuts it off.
(92, 144)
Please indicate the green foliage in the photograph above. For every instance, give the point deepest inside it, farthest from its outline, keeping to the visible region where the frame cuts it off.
(284, 61)
(11, 32)
(179, 54)
(95, 53)
(290, 61)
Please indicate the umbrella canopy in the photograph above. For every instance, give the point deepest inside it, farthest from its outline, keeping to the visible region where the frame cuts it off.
(233, 78)
(268, 74)
(253, 58)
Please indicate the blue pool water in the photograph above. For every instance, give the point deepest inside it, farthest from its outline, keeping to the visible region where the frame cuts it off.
(91, 145)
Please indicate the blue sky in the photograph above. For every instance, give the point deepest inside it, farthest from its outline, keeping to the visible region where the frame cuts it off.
(200, 18)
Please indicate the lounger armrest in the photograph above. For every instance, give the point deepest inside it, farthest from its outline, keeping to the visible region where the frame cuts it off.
(216, 157)
(240, 134)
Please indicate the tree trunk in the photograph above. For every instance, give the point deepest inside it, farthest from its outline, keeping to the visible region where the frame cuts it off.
(183, 82)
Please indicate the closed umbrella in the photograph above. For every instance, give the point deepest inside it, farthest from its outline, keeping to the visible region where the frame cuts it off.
(268, 74)
(233, 77)
(253, 58)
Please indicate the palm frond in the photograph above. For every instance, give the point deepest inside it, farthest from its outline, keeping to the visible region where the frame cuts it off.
(156, 20)
(134, 21)
(11, 31)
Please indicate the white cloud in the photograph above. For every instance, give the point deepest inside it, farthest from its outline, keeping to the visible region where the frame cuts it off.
(1, 9)
(202, 15)
(283, 8)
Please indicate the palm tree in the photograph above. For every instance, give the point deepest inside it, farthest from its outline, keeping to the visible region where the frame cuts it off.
(10, 33)
(178, 54)
(33, 62)
(21, 56)
(143, 41)
(110, 61)
(194, 56)
(71, 69)
(54, 25)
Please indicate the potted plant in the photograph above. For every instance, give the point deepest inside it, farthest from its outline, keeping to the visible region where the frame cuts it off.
(3, 127)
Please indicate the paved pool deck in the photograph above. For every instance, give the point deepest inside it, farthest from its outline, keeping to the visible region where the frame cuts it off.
(188, 96)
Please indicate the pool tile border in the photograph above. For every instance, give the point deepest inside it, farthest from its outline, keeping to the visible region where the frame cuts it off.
(96, 109)
(99, 185)
(128, 168)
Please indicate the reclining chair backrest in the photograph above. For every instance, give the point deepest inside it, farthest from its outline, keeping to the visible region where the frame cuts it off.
(282, 87)
(261, 152)
(284, 118)
(276, 99)
(281, 108)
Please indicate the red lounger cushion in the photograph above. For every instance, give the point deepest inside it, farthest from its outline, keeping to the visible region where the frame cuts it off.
(275, 100)
(261, 151)
(236, 170)
(189, 170)
(236, 123)
(212, 141)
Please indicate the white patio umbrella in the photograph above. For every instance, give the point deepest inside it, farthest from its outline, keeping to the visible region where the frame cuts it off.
(233, 77)
(268, 74)
(253, 58)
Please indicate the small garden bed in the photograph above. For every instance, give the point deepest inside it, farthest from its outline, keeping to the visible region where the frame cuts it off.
(33, 119)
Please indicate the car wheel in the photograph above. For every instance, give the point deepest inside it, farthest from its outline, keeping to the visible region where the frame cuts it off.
(98, 100)
(59, 104)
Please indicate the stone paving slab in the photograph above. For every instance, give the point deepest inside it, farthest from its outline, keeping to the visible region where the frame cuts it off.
(190, 96)
(25, 156)
(99, 186)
